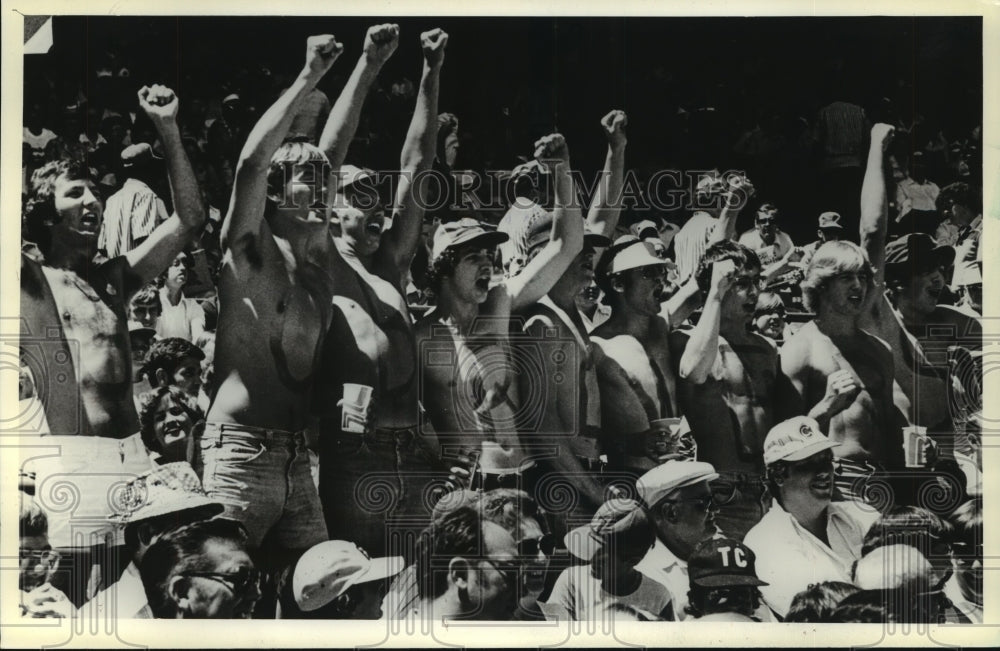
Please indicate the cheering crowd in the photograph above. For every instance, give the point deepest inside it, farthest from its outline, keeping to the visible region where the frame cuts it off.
(325, 400)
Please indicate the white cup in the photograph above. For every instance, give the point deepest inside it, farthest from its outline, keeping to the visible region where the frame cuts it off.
(356, 401)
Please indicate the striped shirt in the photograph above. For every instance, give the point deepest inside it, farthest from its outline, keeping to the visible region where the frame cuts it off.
(130, 214)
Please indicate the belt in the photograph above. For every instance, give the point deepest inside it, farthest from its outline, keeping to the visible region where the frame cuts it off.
(400, 436)
(218, 431)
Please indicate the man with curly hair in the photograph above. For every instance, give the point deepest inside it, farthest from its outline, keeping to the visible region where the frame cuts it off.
(174, 362)
(85, 300)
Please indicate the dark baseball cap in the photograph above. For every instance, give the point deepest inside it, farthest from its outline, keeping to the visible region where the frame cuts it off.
(919, 250)
(723, 562)
(465, 231)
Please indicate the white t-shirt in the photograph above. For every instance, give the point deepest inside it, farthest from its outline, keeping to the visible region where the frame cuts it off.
(583, 597)
(768, 253)
(185, 320)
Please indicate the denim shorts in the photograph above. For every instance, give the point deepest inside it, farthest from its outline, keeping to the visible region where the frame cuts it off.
(262, 478)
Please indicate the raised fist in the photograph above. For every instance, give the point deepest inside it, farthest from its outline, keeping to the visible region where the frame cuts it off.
(614, 124)
(380, 42)
(321, 52)
(841, 390)
(432, 43)
(883, 133)
(723, 275)
(551, 150)
(158, 102)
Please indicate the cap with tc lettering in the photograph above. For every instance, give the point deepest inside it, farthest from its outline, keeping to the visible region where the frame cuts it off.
(722, 562)
(795, 439)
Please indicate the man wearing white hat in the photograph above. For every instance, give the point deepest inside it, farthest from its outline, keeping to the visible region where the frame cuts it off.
(636, 375)
(805, 537)
(679, 502)
(148, 506)
(341, 581)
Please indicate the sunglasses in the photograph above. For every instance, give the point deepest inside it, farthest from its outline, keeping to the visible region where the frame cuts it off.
(238, 582)
(814, 465)
(508, 568)
(529, 547)
(703, 503)
(36, 555)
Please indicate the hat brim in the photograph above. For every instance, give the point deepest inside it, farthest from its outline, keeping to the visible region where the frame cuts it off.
(727, 580)
(581, 543)
(378, 569)
(596, 240)
(209, 508)
(809, 450)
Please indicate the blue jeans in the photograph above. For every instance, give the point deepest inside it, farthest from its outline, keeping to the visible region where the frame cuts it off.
(378, 489)
(262, 478)
(742, 499)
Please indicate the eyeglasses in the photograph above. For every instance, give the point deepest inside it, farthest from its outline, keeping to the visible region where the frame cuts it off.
(238, 582)
(530, 547)
(704, 503)
(36, 555)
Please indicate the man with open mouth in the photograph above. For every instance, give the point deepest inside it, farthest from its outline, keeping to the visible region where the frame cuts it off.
(805, 538)
(842, 375)
(729, 384)
(369, 350)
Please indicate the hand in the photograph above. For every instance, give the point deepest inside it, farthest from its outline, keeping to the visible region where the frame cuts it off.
(723, 275)
(841, 390)
(321, 52)
(795, 254)
(463, 471)
(432, 43)
(46, 601)
(552, 150)
(159, 103)
(380, 42)
(614, 124)
(883, 133)
(738, 192)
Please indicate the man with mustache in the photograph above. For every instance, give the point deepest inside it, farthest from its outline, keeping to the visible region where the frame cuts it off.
(373, 458)
(85, 299)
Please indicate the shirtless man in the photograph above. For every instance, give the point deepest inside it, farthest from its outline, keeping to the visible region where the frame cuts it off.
(274, 293)
(908, 317)
(85, 300)
(843, 376)
(364, 477)
(728, 384)
(636, 376)
(468, 387)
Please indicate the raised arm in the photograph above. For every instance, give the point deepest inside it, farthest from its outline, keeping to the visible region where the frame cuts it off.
(736, 198)
(157, 251)
(874, 203)
(703, 346)
(679, 307)
(341, 125)
(566, 241)
(606, 206)
(246, 206)
(401, 241)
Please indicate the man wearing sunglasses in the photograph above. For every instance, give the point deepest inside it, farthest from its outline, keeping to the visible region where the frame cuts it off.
(201, 571)
(730, 383)
(805, 537)
(150, 505)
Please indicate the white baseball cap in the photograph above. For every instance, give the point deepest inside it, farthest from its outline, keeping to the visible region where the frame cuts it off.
(795, 439)
(329, 569)
(667, 477)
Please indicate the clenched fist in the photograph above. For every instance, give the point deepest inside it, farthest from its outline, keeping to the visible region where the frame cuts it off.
(614, 124)
(380, 42)
(432, 43)
(158, 102)
(841, 390)
(321, 52)
(723, 276)
(552, 150)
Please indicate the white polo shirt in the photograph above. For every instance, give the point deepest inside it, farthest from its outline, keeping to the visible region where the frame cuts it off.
(790, 558)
